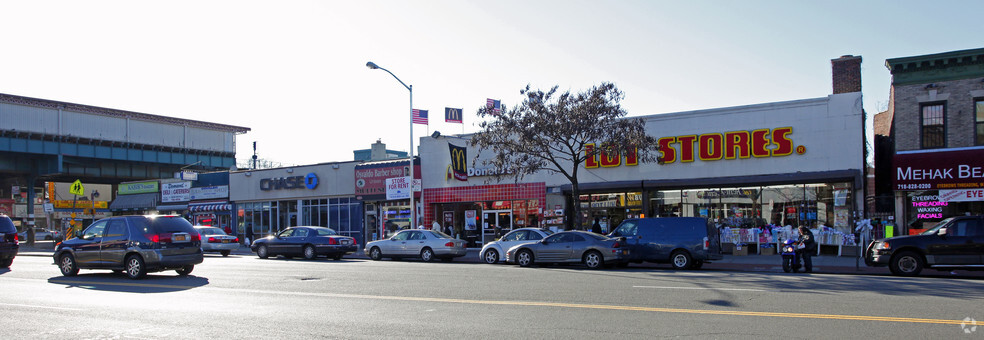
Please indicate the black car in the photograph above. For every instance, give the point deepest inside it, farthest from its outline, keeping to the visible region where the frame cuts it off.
(9, 244)
(134, 245)
(683, 242)
(954, 243)
(309, 242)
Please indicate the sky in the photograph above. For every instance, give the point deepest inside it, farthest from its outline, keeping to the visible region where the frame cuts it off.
(294, 71)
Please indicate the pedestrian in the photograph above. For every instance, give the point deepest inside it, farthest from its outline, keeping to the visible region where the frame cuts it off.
(249, 234)
(809, 247)
(596, 227)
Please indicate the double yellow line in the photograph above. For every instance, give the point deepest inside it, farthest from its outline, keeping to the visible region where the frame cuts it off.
(537, 304)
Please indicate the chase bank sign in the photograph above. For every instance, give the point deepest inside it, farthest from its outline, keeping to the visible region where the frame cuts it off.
(309, 181)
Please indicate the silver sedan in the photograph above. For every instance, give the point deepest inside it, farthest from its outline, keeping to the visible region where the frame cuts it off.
(425, 244)
(493, 251)
(592, 249)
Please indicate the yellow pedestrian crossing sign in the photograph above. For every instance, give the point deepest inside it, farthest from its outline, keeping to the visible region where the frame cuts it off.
(77, 188)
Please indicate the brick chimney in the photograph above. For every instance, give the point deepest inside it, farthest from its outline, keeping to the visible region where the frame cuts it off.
(846, 74)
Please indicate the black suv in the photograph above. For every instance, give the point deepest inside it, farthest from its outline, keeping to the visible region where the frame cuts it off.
(134, 245)
(8, 241)
(954, 243)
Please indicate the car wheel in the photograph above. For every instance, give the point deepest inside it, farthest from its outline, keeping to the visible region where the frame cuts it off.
(375, 254)
(184, 271)
(67, 265)
(224, 252)
(524, 258)
(309, 253)
(906, 263)
(593, 260)
(134, 267)
(681, 260)
(427, 255)
(491, 256)
(262, 252)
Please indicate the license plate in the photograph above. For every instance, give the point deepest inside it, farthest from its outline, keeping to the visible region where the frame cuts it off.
(180, 238)
(345, 242)
(225, 241)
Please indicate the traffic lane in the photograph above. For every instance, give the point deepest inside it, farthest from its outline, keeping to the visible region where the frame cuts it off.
(631, 287)
(265, 313)
(688, 290)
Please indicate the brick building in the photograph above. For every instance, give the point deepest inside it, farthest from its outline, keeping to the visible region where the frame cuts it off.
(937, 112)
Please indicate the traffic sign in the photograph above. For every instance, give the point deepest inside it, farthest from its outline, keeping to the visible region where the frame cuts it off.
(77, 188)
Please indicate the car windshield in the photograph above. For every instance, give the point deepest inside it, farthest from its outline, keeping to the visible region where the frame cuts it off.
(439, 234)
(936, 228)
(210, 231)
(6, 225)
(596, 236)
(152, 224)
(325, 232)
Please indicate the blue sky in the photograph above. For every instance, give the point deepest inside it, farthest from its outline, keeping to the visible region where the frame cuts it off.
(294, 71)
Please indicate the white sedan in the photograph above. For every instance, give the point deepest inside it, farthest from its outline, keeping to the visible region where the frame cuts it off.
(216, 240)
(493, 251)
(425, 244)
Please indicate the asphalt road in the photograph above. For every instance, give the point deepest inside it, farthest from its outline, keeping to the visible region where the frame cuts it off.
(246, 297)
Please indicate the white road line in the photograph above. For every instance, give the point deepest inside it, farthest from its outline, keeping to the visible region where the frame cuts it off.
(701, 288)
(36, 306)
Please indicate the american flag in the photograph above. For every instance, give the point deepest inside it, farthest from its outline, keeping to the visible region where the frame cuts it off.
(419, 116)
(494, 104)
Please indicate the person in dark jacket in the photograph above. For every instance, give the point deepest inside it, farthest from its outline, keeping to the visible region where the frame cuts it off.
(596, 227)
(810, 246)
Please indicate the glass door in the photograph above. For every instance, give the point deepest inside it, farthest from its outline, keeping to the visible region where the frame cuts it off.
(495, 223)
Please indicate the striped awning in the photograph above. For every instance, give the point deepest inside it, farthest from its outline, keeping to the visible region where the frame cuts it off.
(209, 207)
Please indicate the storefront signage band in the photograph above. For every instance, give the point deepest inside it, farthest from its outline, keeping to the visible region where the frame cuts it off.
(138, 188)
(960, 169)
(309, 181)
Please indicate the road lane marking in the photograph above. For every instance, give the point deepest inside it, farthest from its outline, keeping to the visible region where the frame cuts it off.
(36, 306)
(539, 304)
(702, 288)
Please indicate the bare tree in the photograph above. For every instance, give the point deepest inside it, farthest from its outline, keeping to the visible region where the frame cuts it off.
(554, 133)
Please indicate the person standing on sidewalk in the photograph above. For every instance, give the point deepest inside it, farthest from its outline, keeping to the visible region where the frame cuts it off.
(596, 227)
(809, 247)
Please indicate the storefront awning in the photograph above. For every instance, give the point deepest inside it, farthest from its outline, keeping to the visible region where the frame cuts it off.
(172, 207)
(209, 207)
(135, 202)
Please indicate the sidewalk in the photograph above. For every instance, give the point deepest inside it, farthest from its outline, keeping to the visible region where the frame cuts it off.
(824, 264)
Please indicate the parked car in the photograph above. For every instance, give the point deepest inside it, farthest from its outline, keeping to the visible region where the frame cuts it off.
(683, 242)
(9, 243)
(309, 242)
(425, 244)
(593, 250)
(41, 234)
(216, 240)
(494, 251)
(134, 245)
(954, 243)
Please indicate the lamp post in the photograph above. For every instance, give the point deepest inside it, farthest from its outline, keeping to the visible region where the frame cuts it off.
(413, 210)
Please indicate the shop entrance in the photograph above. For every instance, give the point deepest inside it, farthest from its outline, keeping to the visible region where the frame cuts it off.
(495, 223)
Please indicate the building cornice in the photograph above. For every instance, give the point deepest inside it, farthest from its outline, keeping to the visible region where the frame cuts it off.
(930, 68)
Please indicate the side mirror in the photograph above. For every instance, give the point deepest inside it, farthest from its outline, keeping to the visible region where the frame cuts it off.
(941, 232)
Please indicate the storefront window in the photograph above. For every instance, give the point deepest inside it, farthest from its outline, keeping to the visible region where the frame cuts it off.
(740, 207)
(782, 204)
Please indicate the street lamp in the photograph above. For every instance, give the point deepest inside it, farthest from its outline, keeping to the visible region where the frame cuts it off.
(413, 210)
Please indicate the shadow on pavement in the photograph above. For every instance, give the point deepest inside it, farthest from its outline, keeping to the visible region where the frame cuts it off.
(112, 282)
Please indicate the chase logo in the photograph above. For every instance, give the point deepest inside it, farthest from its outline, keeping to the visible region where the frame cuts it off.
(311, 181)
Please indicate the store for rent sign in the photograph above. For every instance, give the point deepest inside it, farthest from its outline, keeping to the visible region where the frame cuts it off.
(398, 188)
(946, 170)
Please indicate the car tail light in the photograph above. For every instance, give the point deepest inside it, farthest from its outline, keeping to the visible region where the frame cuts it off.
(236, 240)
(707, 243)
(15, 238)
(449, 244)
(212, 240)
(196, 237)
(154, 238)
(355, 242)
(616, 245)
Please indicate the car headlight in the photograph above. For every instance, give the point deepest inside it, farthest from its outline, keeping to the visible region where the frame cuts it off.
(882, 246)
